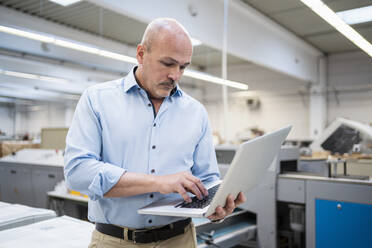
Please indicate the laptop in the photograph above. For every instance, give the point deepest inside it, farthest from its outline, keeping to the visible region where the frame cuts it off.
(247, 170)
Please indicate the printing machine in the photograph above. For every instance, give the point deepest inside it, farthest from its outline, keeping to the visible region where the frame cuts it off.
(295, 207)
(318, 207)
(350, 143)
(261, 201)
(342, 136)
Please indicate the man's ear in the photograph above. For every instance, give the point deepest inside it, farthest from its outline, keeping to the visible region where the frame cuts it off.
(140, 53)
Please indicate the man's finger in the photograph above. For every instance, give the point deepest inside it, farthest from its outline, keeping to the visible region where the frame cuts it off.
(217, 214)
(199, 184)
(240, 199)
(220, 213)
(183, 193)
(230, 204)
(191, 187)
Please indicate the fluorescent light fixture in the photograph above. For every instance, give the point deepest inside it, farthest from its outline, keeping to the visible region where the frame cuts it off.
(331, 17)
(67, 44)
(112, 55)
(195, 42)
(216, 80)
(33, 76)
(117, 56)
(75, 46)
(29, 35)
(355, 16)
(65, 2)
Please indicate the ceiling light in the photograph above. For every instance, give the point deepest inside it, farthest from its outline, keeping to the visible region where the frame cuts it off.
(65, 2)
(355, 16)
(76, 46)
(331, 17)
(29, 35)
(112, 55)
(216, 80)
(33, 76)
(117, 56)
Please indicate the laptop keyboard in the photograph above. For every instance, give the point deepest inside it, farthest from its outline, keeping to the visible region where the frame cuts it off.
(196, 203)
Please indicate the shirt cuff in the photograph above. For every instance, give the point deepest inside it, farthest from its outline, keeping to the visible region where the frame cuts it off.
(106, 178)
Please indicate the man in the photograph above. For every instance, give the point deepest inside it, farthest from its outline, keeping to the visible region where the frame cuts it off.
(141, 138)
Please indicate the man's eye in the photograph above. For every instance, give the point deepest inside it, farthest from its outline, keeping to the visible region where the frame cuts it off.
(167, 64)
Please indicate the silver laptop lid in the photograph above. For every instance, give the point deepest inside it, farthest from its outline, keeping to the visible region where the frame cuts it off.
(249, 165)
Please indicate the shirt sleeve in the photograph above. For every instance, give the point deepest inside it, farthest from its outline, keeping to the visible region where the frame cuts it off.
(84, 170)
(205, 163)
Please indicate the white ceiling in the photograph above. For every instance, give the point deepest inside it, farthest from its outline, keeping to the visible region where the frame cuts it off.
(299, 19)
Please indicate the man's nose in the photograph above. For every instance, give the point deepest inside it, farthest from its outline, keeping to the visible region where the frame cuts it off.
(175, 74)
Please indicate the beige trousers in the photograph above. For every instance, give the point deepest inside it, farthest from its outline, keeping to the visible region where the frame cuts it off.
(186, 240)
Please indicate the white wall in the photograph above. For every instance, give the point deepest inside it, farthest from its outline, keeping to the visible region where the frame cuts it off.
(284, 100)
(350, 81)
(7, 119)
(49, 115)
(31, 119)
(274, 112)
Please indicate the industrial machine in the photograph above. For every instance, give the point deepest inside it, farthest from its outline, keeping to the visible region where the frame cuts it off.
(297, 207)
(344, 136)
(261, 201)
(319, 208)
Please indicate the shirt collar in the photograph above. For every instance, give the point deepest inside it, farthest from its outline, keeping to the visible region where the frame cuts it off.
(130, 82)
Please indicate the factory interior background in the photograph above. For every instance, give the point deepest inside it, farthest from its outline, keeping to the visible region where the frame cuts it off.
(270, 63)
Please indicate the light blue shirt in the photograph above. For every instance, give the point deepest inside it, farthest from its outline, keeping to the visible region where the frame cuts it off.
(114, 130)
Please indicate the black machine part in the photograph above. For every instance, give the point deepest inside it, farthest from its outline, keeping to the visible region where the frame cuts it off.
(342, 140)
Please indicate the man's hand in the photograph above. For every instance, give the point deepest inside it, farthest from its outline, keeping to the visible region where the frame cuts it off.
(182, 183)
(231, 204)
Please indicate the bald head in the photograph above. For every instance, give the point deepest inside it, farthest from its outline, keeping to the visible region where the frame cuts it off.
(163, 30)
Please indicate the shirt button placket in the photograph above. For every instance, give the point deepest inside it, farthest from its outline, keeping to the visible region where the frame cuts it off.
(152, 152)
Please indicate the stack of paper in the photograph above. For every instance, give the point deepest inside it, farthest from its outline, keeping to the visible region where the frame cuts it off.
(15, 215)
(58, 232)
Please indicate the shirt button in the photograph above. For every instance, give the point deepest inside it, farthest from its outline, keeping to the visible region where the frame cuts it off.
(152, 171)
(150, 221)
(151, 195)
(153, 147)
(149, 104)
(154, 124)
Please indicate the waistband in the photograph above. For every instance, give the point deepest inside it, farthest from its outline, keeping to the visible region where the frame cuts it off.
(145, 235)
